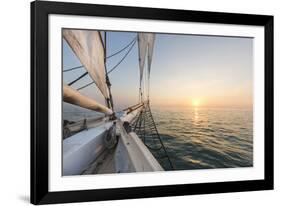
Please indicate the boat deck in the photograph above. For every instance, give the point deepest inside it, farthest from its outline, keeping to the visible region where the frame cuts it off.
(129, 154)
(104, 164)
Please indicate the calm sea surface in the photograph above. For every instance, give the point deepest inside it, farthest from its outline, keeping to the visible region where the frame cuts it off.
(197, 138)
(200, 138)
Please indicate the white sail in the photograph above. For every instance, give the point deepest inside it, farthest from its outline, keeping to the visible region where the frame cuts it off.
(150, 42)
(146, 44)
(142, 43)
(88, 47)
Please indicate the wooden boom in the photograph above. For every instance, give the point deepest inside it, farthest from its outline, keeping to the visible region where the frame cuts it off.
(74, 97)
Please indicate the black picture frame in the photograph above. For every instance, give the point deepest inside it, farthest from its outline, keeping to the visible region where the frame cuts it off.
(40, 108)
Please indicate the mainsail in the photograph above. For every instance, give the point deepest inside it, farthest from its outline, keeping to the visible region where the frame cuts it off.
(142, 43)
(88, 47)
(150, 42)
(146, 44)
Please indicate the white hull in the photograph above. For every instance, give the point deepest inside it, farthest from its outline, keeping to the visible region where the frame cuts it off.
(81, 149)
(85, 152)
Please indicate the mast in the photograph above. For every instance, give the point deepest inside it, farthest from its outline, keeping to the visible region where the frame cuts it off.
(109, 100)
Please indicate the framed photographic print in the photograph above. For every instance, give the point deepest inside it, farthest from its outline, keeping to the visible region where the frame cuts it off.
(131, 102)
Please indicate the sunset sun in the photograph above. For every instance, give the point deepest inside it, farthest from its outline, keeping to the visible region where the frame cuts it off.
(195, 102)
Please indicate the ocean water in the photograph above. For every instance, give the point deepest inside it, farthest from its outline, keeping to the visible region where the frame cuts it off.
(204, 138)
(197, 138)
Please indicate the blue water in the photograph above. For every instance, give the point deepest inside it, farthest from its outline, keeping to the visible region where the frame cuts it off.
(201, 138)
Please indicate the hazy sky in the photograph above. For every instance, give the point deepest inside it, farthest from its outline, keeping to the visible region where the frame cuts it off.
(187, 70)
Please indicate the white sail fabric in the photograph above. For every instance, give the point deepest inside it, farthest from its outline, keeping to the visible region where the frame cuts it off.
(88, 47)
(150, 42)
(146, 44)
(142, 43)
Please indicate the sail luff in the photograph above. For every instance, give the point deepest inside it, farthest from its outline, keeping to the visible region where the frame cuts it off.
(88, 47)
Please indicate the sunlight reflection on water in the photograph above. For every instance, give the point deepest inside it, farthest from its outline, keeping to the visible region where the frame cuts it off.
(199, 138)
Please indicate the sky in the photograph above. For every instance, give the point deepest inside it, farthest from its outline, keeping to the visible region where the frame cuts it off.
(186, 71)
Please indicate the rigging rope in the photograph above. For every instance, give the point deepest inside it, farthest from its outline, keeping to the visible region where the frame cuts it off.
(75, 80)
(121, 49)
(146, 129)
(108, 57)
(85, 85)
(113, 68)
(73, 68)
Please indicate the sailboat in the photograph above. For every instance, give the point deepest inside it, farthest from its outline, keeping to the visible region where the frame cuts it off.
(119, 141)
